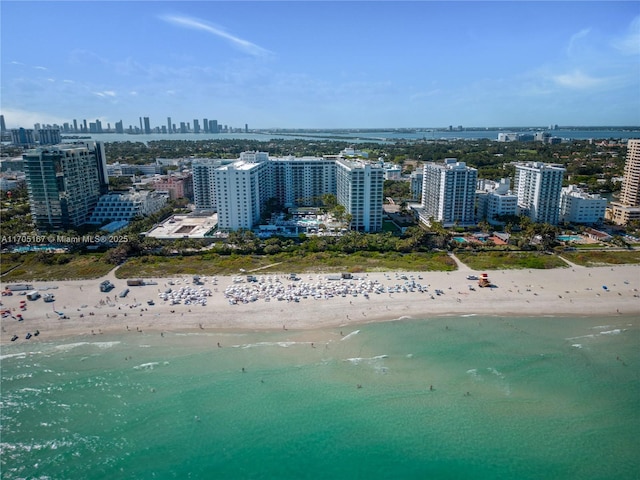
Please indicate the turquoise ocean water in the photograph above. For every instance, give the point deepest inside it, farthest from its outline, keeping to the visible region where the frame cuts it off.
(470, 397)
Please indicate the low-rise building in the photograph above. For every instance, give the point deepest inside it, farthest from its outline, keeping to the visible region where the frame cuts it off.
(495, 200)
(579, 206)
(127, 206)
(177, 185)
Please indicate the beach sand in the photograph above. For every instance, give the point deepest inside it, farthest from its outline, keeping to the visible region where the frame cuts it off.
(572, 291)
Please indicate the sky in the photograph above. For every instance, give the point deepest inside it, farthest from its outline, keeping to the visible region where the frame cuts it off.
(316, 64)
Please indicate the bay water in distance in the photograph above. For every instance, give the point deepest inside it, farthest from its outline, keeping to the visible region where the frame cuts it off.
(448, 397)
(366, 136)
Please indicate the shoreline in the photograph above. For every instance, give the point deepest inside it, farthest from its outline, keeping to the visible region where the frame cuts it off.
(566, 292)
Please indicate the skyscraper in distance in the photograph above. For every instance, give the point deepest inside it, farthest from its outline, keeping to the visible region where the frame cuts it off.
(147, 126)
(169, 129)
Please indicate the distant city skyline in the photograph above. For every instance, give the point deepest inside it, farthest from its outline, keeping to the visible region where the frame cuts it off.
(321, 65)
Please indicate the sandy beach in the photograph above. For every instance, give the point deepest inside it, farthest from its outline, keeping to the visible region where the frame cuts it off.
(81, 309)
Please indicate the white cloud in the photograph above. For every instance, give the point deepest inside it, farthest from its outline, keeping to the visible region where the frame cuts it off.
(38, 67)
(630, 43)
(196, 24)
(577, 80)
(105, 93)
(575, 39)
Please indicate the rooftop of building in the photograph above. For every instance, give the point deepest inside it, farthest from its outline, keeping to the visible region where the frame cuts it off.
(185, 226)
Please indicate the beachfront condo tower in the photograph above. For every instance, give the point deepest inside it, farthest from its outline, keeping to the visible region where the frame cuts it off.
(628, 208)
(538, 186)
(301, 181)
(204, 192)
(359, 189)
(242, 189)
(449, 193)
(64, 183)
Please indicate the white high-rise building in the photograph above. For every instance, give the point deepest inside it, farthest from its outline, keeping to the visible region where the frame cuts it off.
(243, 188)
(241, 191)
(302, 181)
(538, 186)
(578, 206)
(628, 208)
(204, 194)
(416, 184)
(449, 193)
(359, 189)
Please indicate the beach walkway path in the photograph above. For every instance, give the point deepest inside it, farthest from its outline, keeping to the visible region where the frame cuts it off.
(462, 267)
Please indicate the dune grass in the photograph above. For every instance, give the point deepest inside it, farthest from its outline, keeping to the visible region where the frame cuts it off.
(603, 257)
(213, 264)
(59, 266)
(510, 260)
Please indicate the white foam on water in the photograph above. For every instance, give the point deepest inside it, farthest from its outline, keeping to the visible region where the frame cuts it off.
(13, 355)
(104, 344)
(611, 332)
(355, 332)
(577, 345)
(270, 344)
(101, 345)
(581, 336)
(358, 360)
(146, 366)
(70, 346)
(28, 389)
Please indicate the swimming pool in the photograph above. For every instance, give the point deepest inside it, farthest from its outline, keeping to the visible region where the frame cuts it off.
(34, 248)
(569, 238)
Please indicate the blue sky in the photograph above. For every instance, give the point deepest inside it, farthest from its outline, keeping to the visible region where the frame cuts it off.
(321, 65)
